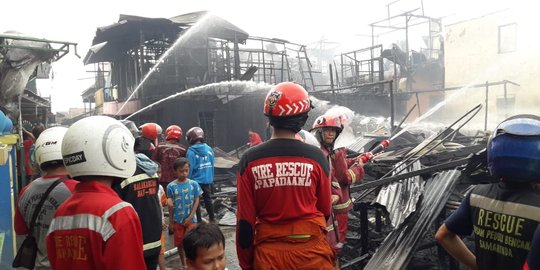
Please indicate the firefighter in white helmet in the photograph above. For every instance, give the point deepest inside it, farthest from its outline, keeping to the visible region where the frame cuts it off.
(94, 228)
(49, 158)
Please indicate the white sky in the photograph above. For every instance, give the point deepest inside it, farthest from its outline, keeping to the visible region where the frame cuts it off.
(298, 21)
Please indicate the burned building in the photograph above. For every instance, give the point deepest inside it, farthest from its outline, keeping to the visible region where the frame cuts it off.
(23, 60)
(139, 61)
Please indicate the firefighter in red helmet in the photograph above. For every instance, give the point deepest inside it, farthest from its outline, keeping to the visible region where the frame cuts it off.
(150, 131)
(167, 152)
(173, 132)
(147, 141)
(344, 171)
(284, 192)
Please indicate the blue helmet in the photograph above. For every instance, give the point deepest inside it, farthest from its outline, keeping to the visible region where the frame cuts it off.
(514, 149)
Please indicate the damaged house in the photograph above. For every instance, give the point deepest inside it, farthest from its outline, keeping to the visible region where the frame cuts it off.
(139, 61)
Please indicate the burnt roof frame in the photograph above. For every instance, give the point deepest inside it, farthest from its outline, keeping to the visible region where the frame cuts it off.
(58, 53)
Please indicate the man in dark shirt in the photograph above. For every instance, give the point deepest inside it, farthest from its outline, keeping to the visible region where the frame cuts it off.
(167, 152)
(503, 215)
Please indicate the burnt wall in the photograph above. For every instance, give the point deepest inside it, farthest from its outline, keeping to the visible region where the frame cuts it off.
(225, 124)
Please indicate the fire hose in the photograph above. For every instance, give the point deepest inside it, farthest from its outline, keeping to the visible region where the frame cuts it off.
(366, 157)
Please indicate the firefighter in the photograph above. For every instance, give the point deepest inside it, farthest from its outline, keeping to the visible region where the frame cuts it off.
(345, 171)
(331, 224)
(284, 192)
(167, 152)
(141, 191)
(147, 141)
(94, 228)
(503, 215)
(49, 159)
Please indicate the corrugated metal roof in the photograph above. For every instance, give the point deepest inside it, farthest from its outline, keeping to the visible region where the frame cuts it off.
(401, 198)
(399, 246)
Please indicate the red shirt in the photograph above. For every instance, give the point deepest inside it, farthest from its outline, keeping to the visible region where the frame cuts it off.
(27, 144)
(95, 229)
(165, 154)
(279, 182)
(254, 139)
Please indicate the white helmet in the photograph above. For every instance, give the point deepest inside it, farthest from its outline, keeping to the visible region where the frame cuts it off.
(99, 145)
(49, 145)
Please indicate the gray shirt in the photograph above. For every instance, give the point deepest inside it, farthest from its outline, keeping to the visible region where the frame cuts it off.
(28, 202)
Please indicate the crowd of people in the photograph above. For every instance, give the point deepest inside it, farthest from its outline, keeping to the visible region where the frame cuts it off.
(104, 209)
(111, 181)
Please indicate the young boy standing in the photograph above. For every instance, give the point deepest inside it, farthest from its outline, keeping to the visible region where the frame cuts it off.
(205, 248)
(183, 197)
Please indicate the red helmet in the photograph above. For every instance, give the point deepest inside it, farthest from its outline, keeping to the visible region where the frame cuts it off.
(173, 132)
(194, 134)
(286, 99)
(150, 130)
(328, 121)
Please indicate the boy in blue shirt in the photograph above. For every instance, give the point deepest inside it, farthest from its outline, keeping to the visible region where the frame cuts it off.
(183, 199)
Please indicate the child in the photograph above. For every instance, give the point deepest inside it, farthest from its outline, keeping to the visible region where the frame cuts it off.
(183, 197)
(205, 248)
